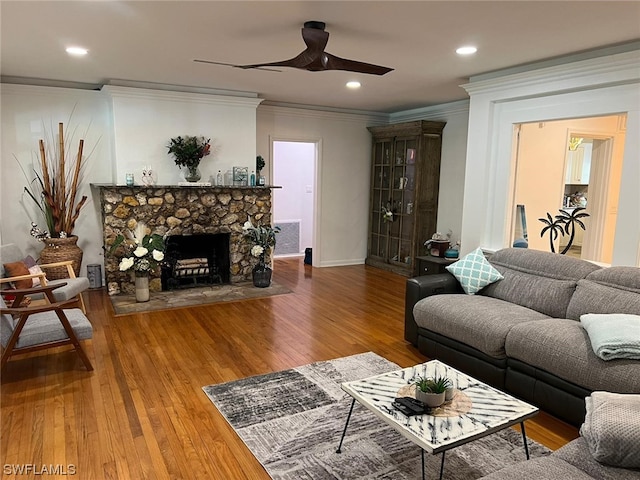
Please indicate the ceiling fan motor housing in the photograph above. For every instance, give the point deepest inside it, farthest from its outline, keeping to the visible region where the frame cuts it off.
(315, 24)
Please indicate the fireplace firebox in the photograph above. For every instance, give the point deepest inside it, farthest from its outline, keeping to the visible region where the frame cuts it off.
(194, 260)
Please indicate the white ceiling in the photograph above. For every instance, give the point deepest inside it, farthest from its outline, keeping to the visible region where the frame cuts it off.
(156, 41)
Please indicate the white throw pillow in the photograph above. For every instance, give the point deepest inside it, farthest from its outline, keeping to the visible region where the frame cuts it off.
(474, 272)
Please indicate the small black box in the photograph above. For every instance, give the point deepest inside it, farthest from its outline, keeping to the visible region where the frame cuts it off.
(307, 256)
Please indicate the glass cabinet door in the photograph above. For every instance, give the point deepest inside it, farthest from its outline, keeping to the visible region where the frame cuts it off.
(382, 181)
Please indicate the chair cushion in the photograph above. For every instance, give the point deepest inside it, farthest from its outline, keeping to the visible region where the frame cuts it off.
(561, 347)
(73, 287)
(478, 321)
(46, 327)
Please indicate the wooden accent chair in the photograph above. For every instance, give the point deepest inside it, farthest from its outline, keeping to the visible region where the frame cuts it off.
(26, 329)
(71, 288)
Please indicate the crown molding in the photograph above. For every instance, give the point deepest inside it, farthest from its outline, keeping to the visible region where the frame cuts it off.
(435, 112)
(306, 111)
(115, 91)
(617, 69)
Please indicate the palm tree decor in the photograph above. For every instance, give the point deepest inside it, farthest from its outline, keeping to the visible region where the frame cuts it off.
(561, 224)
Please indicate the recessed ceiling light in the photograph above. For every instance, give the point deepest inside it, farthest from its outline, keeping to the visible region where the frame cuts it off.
(77, 51)
(353, 85)
(468, 50)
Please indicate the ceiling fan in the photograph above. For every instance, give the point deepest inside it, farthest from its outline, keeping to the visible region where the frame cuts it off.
(314, 58)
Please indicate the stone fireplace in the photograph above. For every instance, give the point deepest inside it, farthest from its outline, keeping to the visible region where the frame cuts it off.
(187, 211)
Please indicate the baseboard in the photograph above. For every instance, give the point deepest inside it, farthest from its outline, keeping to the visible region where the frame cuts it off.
(342, 263)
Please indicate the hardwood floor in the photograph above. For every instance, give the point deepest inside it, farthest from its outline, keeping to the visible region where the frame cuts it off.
(141, 414)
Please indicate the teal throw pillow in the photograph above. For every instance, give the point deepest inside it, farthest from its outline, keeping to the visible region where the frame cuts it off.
(474, 272)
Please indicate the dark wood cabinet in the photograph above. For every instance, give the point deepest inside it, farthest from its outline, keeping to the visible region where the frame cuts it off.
(405, 178)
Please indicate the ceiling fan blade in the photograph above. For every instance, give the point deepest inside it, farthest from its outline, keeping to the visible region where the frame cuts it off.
(234, 65)
(337, 63)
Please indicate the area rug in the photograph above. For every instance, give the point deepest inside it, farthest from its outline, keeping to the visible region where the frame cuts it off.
(190, 297)
(292, 422)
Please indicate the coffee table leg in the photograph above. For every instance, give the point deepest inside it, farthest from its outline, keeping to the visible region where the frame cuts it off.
(353, 402)
(442, 466)
(524, 439)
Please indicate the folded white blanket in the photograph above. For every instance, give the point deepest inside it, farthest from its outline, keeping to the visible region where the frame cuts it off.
(613, 335)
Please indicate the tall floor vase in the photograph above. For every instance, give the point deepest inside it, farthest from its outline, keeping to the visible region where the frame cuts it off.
(58, 250)
(142, 287)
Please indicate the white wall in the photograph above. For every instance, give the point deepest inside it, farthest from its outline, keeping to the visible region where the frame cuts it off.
(595, 87)
(452, 165)
(134, 125)
(30, 113)
(131, 128)
(145, 120)
(342, 177)
(294, 172)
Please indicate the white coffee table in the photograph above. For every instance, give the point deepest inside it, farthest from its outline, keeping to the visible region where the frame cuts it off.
(480, 409)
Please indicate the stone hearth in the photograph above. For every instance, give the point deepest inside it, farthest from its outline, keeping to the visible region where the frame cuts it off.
(177, 210)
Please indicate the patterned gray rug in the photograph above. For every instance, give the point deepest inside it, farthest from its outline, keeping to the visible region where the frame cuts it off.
(292, 422)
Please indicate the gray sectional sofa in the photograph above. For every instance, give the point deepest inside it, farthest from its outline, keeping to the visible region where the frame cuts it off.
(522, 334)
(571, 462)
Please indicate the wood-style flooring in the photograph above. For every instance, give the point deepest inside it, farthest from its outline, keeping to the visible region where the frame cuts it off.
(141, 414)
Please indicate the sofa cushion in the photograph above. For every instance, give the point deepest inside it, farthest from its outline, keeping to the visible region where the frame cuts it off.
(562, 347)
(577, 454)
(474, 272)
(611, 428)
(538, 469)
(538, 280)
(478, 321)
(605, 289)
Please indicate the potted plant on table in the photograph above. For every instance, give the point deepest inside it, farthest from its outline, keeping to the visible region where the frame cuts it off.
(432, 391)
(188, 151)
(141, 252)
(263, 238)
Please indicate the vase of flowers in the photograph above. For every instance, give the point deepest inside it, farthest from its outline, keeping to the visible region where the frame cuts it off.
(263, 239)
(187, 152)
(142, 253)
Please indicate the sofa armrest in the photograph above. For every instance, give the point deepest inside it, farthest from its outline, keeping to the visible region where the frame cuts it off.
(419, 288)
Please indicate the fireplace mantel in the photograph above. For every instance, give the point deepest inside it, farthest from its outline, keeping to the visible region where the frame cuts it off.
(182, 210)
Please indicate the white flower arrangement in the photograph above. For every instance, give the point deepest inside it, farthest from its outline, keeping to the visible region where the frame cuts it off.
(263, 237)
(144, 251)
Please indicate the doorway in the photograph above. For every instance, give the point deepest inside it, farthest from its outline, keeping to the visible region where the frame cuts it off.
(565, 165)
(294, 167)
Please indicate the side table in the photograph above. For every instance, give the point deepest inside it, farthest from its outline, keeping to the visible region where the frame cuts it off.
(429, 265)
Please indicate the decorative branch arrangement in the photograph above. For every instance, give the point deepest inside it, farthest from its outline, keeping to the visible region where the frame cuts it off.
(561, 224)
(56, 187)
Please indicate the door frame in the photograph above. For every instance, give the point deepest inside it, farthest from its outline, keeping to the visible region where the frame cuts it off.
(598, 201)
(316, 235)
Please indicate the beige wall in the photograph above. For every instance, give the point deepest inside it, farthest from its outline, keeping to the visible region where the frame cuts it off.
(540, 170)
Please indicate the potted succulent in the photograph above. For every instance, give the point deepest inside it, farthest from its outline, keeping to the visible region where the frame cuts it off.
(187, 152)
(432, 391)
